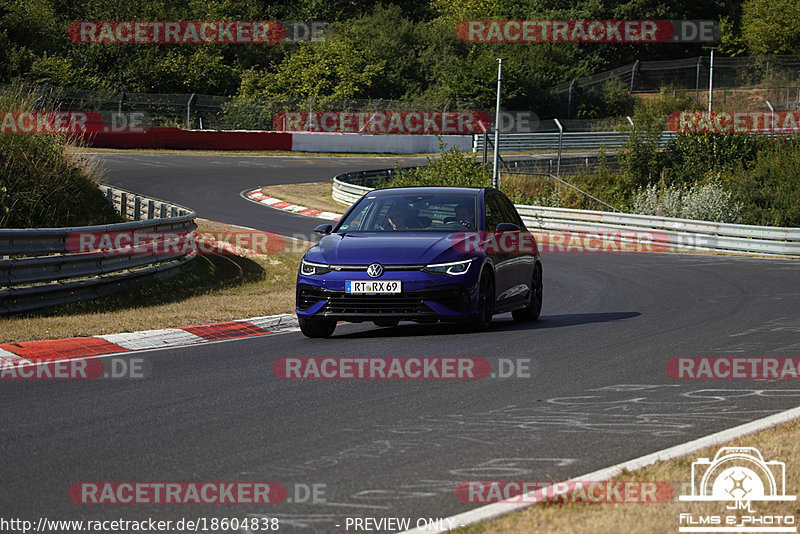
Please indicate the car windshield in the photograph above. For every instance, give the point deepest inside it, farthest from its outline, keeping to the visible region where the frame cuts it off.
(408, 212)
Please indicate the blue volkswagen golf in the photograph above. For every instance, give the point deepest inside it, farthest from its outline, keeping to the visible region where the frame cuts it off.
(423, 254)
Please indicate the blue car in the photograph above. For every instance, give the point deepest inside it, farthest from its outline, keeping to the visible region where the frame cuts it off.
(423, 254)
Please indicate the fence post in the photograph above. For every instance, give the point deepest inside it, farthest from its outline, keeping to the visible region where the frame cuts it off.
(189, 111)
(697, 81)
(310, 111)
(569, 99)
(766, 83)
(772, 118)
(633, 76)
(560, 139)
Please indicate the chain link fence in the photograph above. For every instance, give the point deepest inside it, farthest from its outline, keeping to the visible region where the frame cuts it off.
(738, 82)
(198, 111)
(742, 83)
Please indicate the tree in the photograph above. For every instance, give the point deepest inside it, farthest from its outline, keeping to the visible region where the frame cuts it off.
(770, 26)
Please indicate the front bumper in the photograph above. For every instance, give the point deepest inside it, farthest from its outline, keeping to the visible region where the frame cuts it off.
(425, 297)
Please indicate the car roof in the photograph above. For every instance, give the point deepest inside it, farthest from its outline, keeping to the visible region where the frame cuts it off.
(429, 190)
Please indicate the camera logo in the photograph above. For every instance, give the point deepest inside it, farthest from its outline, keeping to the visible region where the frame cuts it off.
(739, 476)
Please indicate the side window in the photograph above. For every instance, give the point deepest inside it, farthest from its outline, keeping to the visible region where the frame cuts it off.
(494, 213)
(509, 211)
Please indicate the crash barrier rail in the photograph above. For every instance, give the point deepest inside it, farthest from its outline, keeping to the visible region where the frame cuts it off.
(41, 267)
(665, 233)
(511, 142)
(569, 164)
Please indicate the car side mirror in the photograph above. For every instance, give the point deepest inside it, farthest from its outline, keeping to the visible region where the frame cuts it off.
(323, 229)
(507, 227)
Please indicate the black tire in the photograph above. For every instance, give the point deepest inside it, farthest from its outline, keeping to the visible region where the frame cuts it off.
(483, 318)
(386, 322)
(316, 327)
(534, 308)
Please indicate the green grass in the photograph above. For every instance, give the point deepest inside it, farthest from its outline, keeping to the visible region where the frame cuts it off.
(43, 183)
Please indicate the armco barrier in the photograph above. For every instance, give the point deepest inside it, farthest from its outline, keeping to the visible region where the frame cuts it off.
(679, 234)
(377, 143)
(42, 269)
(177, 138)
(570, 141)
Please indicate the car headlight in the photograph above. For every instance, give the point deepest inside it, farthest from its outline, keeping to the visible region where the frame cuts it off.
(452, 268)
(308, 268)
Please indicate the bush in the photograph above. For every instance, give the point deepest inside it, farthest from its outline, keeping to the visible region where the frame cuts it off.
(689, 157)
(770, 189)
(709, 201)
(641, 160)
(454, 168)
(43, 183)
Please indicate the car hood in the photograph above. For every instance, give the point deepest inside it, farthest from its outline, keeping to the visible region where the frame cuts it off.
(395, 248)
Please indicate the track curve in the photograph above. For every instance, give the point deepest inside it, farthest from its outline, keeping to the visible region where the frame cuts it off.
(597, 393)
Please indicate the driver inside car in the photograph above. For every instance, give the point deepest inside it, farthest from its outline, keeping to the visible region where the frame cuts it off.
(465, 215)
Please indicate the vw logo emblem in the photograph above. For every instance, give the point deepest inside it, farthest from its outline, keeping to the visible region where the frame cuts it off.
(375, 270)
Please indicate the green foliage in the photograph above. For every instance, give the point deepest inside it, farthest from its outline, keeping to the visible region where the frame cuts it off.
(43, 183)
(709, 201)
(641, 159)
(609, 100)
(770, 187)
(770, 26)
(453, 168)
(690, 157)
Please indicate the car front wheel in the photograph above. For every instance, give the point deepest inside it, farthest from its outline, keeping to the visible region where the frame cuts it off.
(485, 303)
(533, 309)
(317, 327)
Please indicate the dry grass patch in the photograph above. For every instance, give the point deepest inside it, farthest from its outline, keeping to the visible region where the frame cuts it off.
(311, 195)
(215, 288)
(778, 443)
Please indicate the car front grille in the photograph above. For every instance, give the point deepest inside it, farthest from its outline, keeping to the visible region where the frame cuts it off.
(408, 303)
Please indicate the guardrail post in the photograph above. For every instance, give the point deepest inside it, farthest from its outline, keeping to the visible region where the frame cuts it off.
(110, 195)
(151, 209)
(137, 208)
(174, 212)
(123, 204)
(163, 211)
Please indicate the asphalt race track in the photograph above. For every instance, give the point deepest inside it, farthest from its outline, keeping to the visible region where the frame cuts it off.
(595, 393)
(210, 185)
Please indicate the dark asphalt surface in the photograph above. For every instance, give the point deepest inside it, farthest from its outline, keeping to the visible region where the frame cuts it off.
(597, 391)
(211, 185)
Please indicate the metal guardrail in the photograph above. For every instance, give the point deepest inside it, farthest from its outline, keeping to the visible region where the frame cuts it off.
(570, 141)
(670, 233)
(350, 186)
(43, 268)
(667, 232)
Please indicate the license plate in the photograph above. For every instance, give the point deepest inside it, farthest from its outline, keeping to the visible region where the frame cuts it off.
(378, 287)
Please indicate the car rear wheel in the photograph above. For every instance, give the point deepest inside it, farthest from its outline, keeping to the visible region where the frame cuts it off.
(317, 327)
(386, 322)
(485, 303)
(533, 309)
